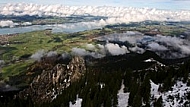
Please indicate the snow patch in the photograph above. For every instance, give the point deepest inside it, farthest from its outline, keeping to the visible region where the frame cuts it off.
(177, 97)
(77, 104)
(179, 89)
(152, 60)
(122, 97)
(154, 90)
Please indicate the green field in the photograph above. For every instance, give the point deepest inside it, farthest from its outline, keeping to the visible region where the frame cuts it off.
(17, 53)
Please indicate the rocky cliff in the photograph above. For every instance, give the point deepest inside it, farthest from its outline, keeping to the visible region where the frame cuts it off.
(51, 82)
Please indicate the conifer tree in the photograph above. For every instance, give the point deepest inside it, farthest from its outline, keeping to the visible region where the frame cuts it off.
(158, 102)
(137, 101)
(145, 89)
(133, 91)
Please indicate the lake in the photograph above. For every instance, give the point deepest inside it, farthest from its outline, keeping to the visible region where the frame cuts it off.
(66, 28)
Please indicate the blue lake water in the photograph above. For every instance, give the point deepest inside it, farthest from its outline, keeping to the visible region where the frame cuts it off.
(67, 28)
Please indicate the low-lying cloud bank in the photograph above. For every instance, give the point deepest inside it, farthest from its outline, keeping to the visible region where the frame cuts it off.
(114, 14)
(41, 53)
(83, 52)
(115, 49)
(38, 55)
(96, 51)
(7, 23)
(10, 23)
(132, 41)
(165, 46)
(99, 51)
(80, 26)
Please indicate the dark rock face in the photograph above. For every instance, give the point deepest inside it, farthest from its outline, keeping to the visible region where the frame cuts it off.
(50, 83)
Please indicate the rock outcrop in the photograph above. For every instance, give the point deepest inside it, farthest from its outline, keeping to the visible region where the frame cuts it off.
(50, 83)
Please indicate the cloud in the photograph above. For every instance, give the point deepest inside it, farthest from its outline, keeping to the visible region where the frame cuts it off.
(114, 14)
(83, 52)
(161, 4)
(38, 55)
(156, 47)
(115, 49)
(79, 51)
(137, 49)
(10, 23)
(165, 46)
(80, 26)
(122, 43)
(168, 47)
(99, 51)
(130, 36)
(65, 55)
(7, 23)
(90, 47)
(51, 53)
(26, 23)
(96, 51)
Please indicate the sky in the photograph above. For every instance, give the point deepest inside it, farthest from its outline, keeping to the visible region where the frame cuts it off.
(159, 4)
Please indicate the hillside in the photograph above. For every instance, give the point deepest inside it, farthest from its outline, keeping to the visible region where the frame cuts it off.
(118, 65)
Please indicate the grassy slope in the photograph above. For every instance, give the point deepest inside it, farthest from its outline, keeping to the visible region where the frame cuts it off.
(31, 42)
(15, 69)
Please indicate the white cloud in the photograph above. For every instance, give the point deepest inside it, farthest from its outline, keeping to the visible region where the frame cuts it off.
(79, 51)
(51, 53)
(163, 4)
(83, 52)
(114, 14)
(10, 23)
(90, 47)
(137, 49)
(130, 36)
(99, 51)
(7, 23)
(115, 49)
(165, 46)
(38, 55)
(156, 47)
(26, 23)
(65, 55)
